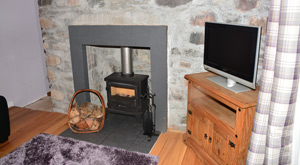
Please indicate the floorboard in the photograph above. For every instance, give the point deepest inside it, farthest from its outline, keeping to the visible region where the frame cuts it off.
(26, 123)
(172, 150)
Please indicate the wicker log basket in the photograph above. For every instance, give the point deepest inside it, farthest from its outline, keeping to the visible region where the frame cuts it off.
(88, 117)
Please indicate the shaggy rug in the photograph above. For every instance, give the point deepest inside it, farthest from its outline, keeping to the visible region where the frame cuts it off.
(51, 149)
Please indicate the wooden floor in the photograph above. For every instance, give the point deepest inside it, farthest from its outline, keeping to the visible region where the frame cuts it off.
(26, 123)
(172, 150)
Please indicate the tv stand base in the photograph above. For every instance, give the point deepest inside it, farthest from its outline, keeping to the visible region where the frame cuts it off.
(222, 81)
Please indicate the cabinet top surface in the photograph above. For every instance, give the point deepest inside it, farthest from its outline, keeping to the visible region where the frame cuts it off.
(243, 100)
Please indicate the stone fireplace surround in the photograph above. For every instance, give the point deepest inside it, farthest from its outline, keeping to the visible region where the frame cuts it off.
(152, 37)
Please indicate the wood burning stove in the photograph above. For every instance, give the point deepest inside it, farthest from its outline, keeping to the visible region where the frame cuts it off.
(125, 90)
(124, 94)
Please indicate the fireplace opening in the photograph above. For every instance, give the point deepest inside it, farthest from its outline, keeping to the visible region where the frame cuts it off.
(154, 38)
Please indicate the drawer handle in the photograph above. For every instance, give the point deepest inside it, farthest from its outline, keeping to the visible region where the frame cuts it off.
(189, 132)
(209, 139)
(190, 112)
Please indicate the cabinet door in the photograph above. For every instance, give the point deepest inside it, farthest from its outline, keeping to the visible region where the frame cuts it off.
(200, 126)
(220, 145)
(233, 152)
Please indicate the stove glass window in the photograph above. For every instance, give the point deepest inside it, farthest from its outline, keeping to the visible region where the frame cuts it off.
(123, 92)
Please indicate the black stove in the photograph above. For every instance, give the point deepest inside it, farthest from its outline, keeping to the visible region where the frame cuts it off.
(126, 91)
(125, 94)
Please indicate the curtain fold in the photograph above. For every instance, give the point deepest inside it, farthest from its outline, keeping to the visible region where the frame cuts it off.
(271, 137)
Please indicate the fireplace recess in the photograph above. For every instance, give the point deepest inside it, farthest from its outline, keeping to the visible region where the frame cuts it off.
(139, 36)
(125, 89)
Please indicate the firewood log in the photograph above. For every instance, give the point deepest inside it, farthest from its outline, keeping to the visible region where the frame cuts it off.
(89, 121)
(74, 111)
(95, 125)
(97, 113)
(75, 119)
(82, 124)
(86, 109)
(87, 106)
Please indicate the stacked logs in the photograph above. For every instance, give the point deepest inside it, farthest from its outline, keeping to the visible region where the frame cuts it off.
(86, 117)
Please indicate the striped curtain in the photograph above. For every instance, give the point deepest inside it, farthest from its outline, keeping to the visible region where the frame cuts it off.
(271, 138)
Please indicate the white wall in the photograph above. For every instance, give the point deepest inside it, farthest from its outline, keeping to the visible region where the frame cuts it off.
(23, 75)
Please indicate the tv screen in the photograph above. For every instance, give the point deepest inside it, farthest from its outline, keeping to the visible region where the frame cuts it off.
(232, 51)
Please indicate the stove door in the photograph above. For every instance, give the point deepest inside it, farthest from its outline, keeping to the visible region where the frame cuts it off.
(122, 96)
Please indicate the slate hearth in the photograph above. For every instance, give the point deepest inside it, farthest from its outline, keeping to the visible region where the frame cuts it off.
(120, 131)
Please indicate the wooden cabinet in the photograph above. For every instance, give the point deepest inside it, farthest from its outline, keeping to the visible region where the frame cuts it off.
(219, 122)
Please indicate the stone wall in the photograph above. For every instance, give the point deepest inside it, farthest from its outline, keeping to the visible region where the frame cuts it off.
(184, 18)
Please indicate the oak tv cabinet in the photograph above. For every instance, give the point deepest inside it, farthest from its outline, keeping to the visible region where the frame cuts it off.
(219, 122)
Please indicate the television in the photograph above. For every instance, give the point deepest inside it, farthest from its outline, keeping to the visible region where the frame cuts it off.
(232, 51)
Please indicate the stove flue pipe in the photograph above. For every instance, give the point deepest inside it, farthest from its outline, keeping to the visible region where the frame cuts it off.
(126, 61)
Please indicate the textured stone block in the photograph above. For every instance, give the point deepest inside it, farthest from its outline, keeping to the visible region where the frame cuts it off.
(175, 51)
(46, 45)
(202, 18)
(64, 35)
(61, 46)
(184, 64)
(172, 3)
(246, 5)
(57, 95)
(44, 2)
(52, 60)
(260, 22)
(177, 94)
(60, 3)
(51, 76)
(197, 38)
(96, 3)
(46, 23)
(72, 3)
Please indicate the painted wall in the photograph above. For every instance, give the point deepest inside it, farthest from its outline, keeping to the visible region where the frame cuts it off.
(23, 75)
